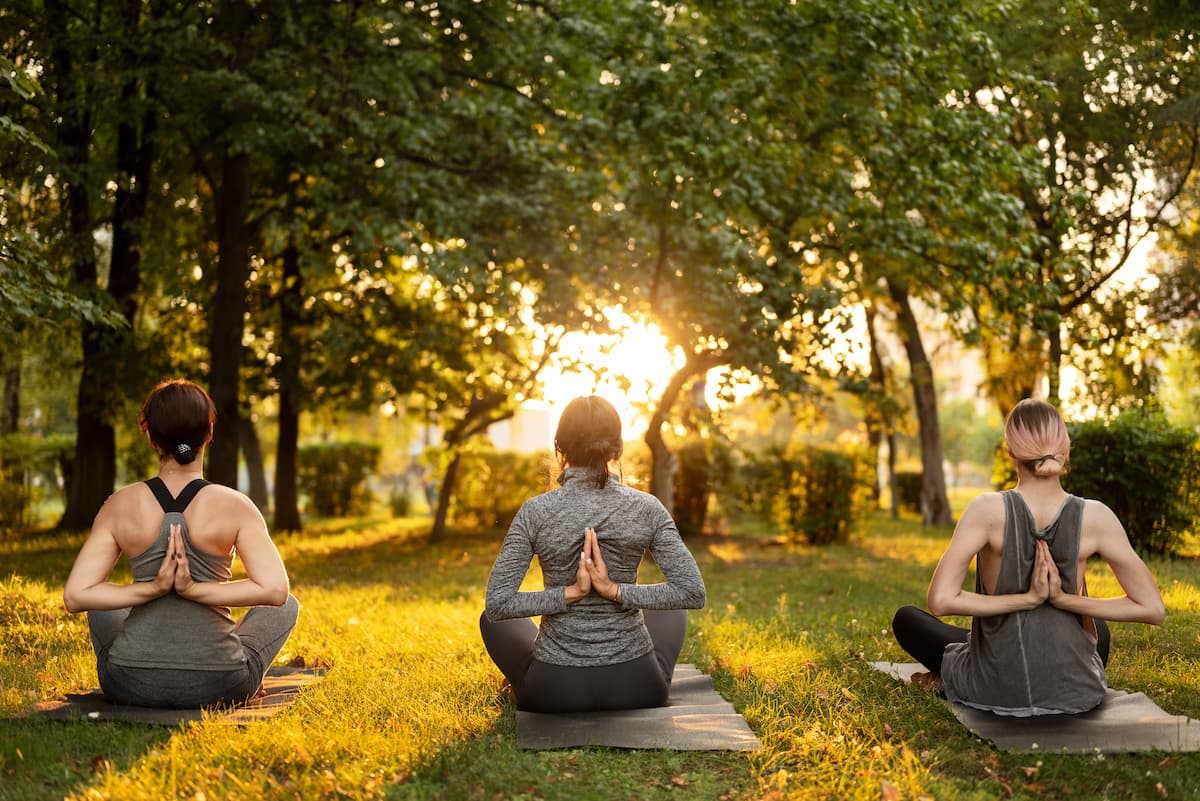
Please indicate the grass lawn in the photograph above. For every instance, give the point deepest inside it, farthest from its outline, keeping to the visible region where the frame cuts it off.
(412, 709)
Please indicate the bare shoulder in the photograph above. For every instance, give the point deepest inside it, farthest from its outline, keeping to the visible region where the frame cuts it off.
(228, 503)
(985, 509)
(126, 501)
(1101, 530)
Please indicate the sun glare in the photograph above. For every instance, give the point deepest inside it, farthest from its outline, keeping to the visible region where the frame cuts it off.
(630, 370)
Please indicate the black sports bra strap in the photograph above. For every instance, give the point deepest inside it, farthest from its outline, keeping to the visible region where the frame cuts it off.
(177, 504)
(187, 493)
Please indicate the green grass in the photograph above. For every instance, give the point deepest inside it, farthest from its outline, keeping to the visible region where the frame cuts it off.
(411, 707)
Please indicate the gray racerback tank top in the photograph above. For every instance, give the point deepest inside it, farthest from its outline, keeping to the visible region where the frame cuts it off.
(1036, 662)
(172, 632)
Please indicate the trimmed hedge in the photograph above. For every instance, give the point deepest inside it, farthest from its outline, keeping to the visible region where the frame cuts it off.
(29, 464)
(908, 490)
(492, 485)
(811, 493)
(333, 476)
(1145, 469)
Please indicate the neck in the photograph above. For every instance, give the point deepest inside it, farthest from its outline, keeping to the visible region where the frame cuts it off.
(169, 468)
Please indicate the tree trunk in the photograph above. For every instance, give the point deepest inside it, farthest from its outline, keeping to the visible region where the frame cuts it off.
(663, 463)
(94, 467)
(1054, 367)
(438, 532)
(252, 451)
(877, 419)
(287, 500)
(935, 505)
(227, 320)
(291, 299)
(10, 409)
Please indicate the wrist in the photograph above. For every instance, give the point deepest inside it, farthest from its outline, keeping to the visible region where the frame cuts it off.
(616, 596)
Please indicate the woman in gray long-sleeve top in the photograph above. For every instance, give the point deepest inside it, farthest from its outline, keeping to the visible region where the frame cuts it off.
(605, 642)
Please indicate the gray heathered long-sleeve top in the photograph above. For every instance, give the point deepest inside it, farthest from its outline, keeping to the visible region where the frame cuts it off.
(592, 631)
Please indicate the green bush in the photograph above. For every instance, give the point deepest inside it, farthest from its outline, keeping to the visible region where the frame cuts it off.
(1145, 469)
(333, 476)
(492, 485)
(811, 492)
(28, 466)
(908, 490)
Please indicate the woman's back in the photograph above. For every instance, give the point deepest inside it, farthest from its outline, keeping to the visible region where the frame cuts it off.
(1038, 660)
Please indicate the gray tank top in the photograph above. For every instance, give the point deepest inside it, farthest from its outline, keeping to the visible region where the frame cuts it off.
(172, 632)
(1037, 662)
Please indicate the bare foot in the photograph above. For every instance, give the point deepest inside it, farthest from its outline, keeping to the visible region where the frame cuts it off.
(261, 692)
(927, 681)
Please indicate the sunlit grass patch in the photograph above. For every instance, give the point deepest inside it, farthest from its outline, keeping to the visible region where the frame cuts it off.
(411, 708)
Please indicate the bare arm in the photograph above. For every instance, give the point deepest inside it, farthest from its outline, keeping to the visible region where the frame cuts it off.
(266, 582)
(88, 587)
(946, 596)
(1142, 602)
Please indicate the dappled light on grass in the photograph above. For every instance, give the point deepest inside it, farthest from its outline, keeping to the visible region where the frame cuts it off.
(411, 708)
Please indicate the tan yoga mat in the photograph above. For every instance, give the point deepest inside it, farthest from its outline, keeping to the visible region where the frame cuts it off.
(1122, 723)
(282, 685)
(695, 718)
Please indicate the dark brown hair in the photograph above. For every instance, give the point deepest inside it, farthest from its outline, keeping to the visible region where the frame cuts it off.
(178, 417)
(589, 435)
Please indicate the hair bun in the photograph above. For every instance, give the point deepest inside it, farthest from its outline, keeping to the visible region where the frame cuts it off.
(184, 453)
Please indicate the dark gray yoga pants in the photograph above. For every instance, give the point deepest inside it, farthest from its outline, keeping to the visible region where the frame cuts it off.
(263, 630)
(543, 687)
(925, 637)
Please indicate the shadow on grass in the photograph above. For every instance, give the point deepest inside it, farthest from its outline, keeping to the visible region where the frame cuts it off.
(53, 759)
(493, 767)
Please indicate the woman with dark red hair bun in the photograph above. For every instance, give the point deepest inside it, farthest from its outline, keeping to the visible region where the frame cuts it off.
(605, 641)
(1038, 644)
(168, 639)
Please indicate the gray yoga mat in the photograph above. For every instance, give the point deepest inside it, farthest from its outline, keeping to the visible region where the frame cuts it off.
(695, 718)
(1124, 722)
(282, 684)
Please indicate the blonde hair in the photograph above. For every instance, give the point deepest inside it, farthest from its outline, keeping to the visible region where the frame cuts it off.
(1037, 438)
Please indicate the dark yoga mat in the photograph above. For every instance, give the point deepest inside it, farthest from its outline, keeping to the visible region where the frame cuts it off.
(695, 718)
(1124, 722)
(282, 684)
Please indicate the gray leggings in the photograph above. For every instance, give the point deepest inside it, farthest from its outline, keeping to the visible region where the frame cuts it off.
(544, 687)
(263, 630)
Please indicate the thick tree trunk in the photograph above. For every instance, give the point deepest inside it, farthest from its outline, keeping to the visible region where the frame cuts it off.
(663, 463)
(877, 419)
(287, 498)
(93, 469)
(935, 505)
(287, 501)
(252, 451)
(233, 271)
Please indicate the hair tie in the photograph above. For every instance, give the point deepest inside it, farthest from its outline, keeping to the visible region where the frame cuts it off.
(183, 449)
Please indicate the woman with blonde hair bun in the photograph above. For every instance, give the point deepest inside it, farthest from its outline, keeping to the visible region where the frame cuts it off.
(1038, 644)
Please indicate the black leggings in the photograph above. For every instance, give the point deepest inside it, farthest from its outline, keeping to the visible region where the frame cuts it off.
(544, 687)
(925, 637)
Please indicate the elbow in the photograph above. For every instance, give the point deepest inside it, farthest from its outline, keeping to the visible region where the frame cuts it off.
(699, 597)
(1157, 614)
(939, 605)
(72, 602)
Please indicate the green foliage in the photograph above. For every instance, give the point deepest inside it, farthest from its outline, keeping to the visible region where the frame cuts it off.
(908, 490)
(703, 465)
(29, 465)
(811, 493)
(334, 476)
(1146, 470)
(492, 485)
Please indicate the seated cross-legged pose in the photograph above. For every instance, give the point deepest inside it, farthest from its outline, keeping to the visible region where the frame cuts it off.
(1038, 644)
(167, 639)
(605, 641)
